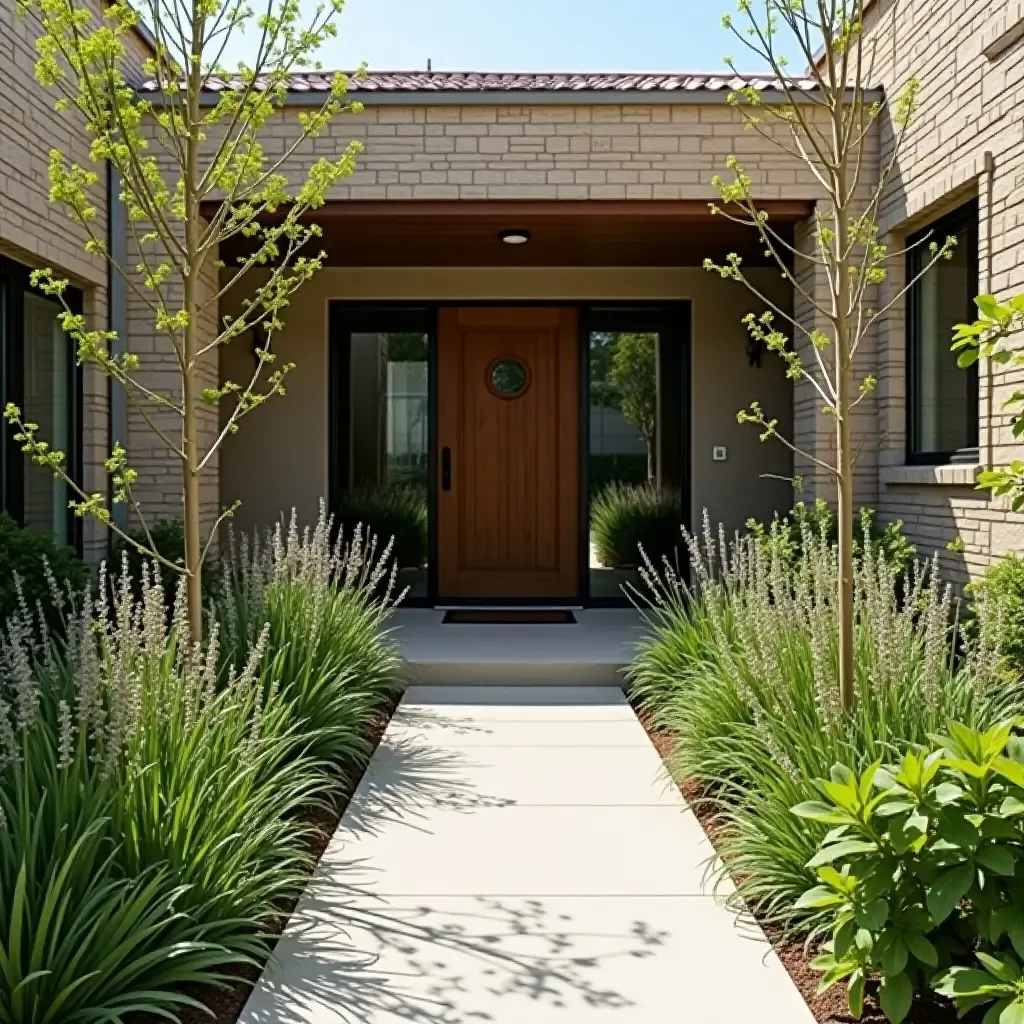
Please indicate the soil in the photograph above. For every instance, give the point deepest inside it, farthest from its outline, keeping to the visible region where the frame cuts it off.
(830, 1007)
(224, 1004)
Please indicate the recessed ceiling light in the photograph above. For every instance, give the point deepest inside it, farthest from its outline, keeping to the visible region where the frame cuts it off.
(514, 236)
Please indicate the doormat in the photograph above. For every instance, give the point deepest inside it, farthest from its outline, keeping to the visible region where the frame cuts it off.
(512, 617)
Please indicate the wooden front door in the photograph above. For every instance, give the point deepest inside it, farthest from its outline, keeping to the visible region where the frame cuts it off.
(508, 447)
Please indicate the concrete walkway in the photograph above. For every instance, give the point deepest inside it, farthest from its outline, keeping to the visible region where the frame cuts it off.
(516, 855)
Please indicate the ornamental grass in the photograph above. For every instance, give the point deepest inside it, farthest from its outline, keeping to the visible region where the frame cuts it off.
(741, 668)
(155, 788)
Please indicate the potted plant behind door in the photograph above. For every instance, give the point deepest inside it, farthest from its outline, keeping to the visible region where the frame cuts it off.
(626, 517)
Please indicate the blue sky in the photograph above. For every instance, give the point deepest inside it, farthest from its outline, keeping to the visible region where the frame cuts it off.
(535, 35)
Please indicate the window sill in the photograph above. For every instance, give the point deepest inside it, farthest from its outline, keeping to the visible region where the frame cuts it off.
(948, 475)
(1003, 31)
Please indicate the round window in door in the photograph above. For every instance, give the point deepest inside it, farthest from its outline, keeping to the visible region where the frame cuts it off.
(508, 377)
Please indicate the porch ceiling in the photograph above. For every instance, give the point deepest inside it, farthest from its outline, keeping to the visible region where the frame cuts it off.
(563, 233)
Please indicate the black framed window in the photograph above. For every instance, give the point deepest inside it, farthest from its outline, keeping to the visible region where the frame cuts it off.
(381, 430)
(39, 374)
(942, 406)
(636, 416)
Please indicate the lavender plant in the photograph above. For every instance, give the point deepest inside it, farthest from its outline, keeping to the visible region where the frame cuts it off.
(204, 790)
(743, 669)
(154, 785)
(325, 599)
(81, 939)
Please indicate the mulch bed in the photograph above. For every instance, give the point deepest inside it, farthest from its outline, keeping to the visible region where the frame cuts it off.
(831, 1007)
(225, 1005)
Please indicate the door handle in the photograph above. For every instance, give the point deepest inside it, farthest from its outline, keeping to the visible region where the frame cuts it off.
(446, 468)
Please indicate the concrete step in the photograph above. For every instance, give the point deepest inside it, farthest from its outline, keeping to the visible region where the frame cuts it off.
(594, 651)
(524, 673)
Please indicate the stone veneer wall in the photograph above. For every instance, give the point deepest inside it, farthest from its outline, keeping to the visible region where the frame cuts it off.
(662, 151)
(967, 140)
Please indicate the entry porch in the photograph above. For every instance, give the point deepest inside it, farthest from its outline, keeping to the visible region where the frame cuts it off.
(517, 391)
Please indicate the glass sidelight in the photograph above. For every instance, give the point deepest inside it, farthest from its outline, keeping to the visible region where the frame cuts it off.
(637, 397)
(48, 400)
(383, 468)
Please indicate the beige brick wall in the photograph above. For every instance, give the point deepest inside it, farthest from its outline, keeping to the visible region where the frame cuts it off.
(159, 486)
(38, 234)
(544, 152)
(970, 107)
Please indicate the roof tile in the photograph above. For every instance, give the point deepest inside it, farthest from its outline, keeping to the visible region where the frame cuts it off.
(482, 82)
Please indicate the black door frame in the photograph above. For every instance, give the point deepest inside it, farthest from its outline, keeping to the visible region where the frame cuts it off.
(672, 319)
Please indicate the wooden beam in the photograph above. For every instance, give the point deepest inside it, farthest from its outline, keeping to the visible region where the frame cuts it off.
(522, 212)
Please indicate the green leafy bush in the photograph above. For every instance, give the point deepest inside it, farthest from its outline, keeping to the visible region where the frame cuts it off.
(743, 671)
(998, 597)
(627, 517)
(397, 513)
(28, 557)
(918, 875)
(787, 535)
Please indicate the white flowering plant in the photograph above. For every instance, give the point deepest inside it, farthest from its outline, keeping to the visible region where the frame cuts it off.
(79, 934)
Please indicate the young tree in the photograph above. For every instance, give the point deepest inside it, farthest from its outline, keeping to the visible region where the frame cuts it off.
(634, 373)
(180, 153)
(825, 122)
(986, 339)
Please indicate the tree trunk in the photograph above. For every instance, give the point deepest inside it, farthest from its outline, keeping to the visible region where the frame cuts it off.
(847, 692)
(191, 505)
(844, 454)
(190, 370)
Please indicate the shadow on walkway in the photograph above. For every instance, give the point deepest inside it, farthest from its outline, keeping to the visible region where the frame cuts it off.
(352, 955)
(517, 947)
